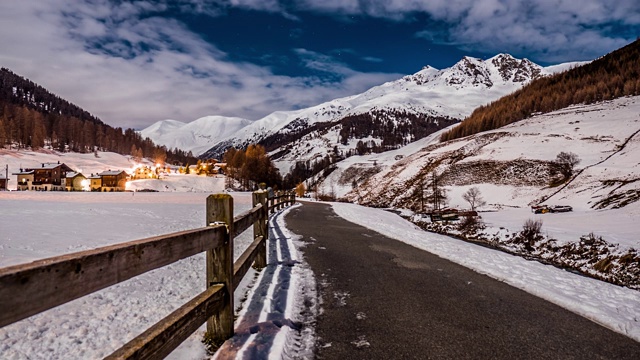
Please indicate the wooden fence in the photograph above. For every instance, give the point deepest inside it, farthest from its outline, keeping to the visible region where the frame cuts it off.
(28, 289)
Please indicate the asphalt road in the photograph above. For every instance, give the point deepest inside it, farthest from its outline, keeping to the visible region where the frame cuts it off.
(383, 299)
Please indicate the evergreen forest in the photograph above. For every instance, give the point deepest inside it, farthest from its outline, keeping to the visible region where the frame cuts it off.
(32, 117)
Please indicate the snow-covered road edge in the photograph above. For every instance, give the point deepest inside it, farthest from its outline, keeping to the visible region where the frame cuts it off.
(612, 306)
(264, 328)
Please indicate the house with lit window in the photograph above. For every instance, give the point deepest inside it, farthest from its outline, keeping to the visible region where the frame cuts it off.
(144, 172)
(75, 181)
(46, 177)
(95, 182)
(25, 180)
(113, 180)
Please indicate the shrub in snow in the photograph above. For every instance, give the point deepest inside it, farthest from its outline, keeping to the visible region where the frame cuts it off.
(531, 234)
(470, 225)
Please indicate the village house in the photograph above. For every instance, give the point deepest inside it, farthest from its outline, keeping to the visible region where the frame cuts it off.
(25, 179)
(144, 172)
(47, 177)
(75, 181)
(193, 170)
(95, 182)
(113, 180)
(220, 168)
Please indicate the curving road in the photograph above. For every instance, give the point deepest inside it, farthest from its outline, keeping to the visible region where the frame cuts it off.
(383, 299)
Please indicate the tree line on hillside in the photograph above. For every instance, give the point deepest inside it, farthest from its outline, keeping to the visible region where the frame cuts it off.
(251, 167)
(612, 76)
(303, 170)
(394, 127)
(295, 130)
(32, 117)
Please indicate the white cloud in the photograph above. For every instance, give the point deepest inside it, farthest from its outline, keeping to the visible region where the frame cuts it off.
(132, 70)
(550, 30)
(372, 59)
(321, 62)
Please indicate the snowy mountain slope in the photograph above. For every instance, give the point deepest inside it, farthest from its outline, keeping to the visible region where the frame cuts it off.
(515, 162)
(196, 136)
(453, 92)
(437, 97)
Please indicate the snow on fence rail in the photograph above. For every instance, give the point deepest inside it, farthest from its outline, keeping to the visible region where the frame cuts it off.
(28, 289)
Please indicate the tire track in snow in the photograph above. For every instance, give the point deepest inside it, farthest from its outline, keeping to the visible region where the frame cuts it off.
(265, 314)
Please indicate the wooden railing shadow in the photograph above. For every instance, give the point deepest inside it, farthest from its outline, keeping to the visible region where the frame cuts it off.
(28, 289)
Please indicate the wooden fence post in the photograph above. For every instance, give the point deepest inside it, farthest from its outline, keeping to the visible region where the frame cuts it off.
(271, 204)
(260, 228)
(265, 202)
(220, 267)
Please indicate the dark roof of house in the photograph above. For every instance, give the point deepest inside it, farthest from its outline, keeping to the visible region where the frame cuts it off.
(51, 166)
(24, 172)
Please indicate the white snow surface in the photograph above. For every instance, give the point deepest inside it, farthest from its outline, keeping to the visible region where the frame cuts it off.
(36, 225)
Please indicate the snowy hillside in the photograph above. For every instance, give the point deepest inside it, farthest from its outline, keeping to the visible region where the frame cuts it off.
(514, 168)
(453, 92)
(518, 158)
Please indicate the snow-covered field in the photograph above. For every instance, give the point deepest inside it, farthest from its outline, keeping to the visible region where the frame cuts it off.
(36, 225)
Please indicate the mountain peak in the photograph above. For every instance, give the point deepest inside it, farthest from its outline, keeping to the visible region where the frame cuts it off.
(515, 70)
(469, 71)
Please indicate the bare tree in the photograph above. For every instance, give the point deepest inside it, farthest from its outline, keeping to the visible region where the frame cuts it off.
(567, 161)
(437, 194)
(474, 198)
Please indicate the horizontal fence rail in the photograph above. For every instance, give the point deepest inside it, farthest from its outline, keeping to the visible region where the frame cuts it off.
(163, 337)
(31, 288)
(245, 260)
(28, 289)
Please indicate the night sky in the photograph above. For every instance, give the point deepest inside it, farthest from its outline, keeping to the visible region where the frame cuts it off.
(134, 63)
(362, 43)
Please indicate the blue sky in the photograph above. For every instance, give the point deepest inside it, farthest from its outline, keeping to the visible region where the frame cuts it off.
(134, 63)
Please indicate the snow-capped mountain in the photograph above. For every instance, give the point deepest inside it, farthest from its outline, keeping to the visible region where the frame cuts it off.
(451, 93)
(196, 136)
